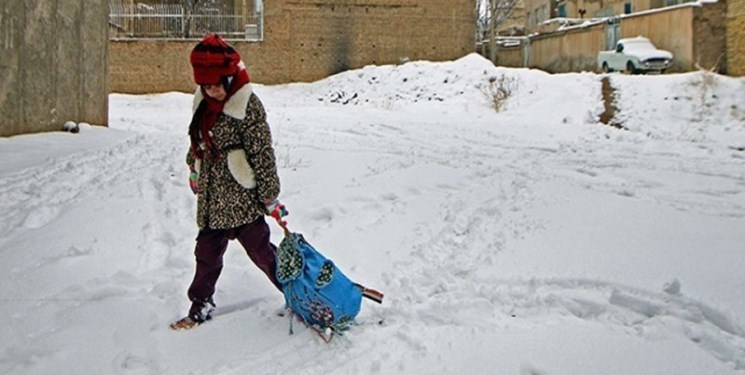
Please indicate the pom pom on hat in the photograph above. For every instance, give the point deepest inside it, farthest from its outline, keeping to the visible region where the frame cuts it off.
(213, 58)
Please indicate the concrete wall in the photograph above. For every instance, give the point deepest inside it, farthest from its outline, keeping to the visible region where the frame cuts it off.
(52, 64)
(510, 56)
(736, 37)
(306, 40)
(573, 50)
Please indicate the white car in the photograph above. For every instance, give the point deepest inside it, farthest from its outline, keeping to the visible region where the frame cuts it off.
(635, 55)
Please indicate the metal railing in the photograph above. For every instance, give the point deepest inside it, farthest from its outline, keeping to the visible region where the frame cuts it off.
(173, 21)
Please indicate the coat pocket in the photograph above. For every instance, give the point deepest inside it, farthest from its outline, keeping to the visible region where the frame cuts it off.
(239, 168)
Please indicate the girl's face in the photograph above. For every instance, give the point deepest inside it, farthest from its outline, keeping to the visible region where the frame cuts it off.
(216, 92)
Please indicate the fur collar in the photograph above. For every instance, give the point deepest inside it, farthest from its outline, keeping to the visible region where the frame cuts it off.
(235, 106)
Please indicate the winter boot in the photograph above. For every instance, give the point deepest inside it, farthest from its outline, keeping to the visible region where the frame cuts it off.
(199, 313)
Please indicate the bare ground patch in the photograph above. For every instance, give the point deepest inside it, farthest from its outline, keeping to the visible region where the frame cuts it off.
(609, 113)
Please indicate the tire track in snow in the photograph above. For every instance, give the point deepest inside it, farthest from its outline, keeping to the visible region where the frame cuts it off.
(456, 280)
(631, 170)
(44, 190)
(141, 175)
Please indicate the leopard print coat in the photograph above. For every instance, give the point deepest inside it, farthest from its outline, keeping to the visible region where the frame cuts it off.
(234, 186)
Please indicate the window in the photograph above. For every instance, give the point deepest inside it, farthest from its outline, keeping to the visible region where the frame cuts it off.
(562, 10)
(627, 8)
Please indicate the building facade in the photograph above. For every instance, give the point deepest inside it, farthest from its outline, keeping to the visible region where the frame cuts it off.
(306, 40)
(539, 11)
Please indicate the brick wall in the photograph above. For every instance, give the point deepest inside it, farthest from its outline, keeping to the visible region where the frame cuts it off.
(736, 37)
(306, 40)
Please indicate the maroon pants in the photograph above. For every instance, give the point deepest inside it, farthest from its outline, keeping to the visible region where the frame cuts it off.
(210, 248)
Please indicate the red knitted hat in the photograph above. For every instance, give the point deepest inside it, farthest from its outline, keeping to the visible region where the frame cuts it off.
(213, 58)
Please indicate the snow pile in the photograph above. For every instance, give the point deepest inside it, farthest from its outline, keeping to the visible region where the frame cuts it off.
(695, 107)
(414, 82)
(529, 241)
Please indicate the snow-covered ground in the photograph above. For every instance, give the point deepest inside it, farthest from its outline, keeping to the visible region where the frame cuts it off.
(530, 241)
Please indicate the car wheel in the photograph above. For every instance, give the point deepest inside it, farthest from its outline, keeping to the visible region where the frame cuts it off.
(630, 69)
(606, 68)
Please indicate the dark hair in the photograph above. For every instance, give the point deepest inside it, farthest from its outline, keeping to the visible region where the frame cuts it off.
(225, 81)
(195, 126)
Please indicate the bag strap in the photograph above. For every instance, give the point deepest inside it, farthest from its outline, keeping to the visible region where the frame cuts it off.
(283, 225)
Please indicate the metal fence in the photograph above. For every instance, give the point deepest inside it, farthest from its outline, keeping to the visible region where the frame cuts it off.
(173, 21)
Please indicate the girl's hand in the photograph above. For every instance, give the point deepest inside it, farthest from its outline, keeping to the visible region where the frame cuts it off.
(277, 210)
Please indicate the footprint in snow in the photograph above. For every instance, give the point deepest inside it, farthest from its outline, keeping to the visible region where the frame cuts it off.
(40, 217)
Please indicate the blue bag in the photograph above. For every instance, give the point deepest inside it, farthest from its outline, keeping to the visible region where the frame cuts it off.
(315, 289)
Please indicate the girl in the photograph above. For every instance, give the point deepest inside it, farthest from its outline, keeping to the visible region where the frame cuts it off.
(233, 172)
